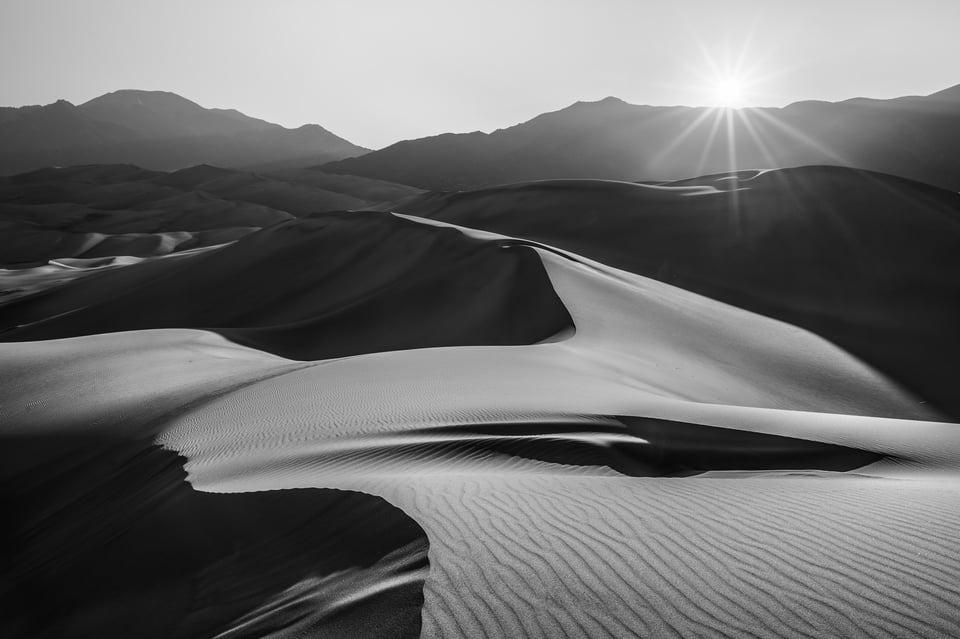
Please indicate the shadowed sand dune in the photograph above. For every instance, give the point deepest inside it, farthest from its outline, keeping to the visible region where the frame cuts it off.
(109, 540)
(867, 261)
(601, 454)
(319, 287)
(112, 210)
(21, 282)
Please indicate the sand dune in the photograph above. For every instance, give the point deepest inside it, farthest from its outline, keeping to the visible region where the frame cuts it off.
(22, 282)
(109, 210)
(554, 556)
(286, 290)
(486, 435)
(119, 545)
(863, 259)
(523, 545)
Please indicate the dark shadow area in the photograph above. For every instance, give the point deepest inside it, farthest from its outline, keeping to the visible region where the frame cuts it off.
(680, 448)
(105, 538)
(95, 211)
(668, 449)
(324, 286)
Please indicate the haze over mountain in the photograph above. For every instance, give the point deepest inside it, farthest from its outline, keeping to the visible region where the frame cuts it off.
(914, 137)
(156, 130)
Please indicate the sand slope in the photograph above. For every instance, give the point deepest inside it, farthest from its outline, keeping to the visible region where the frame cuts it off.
(865, 260)
(114, 210)
(111, 541)
(655, 463)
(546, 540)
(325, 286)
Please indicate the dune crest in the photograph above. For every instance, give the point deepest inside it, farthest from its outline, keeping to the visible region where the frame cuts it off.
(864, 260)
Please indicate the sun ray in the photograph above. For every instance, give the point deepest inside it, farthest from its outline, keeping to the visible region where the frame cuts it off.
(800, 136)
(710, 138)
(744, 116)
(679, 139)
(734, 193)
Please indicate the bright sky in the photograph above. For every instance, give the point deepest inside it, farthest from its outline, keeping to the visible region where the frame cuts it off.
(378, 71)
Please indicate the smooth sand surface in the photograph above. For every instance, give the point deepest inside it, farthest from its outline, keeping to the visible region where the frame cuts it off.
(659, 463)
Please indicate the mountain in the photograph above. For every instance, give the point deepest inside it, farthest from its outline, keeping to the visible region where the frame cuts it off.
(156, 130)
(915, 137)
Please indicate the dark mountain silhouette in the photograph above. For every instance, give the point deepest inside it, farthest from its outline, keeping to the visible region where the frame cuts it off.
(914, 137)
(156, 130)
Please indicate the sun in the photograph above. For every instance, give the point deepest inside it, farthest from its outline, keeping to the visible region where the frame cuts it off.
(729, 92)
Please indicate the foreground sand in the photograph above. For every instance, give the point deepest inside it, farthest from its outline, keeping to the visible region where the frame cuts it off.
(669, 466)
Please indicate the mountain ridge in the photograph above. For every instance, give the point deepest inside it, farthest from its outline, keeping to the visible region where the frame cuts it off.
(157, 130)
(911, 136)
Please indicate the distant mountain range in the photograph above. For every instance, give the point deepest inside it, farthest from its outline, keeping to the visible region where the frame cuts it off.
(156, 130)
(917, 137)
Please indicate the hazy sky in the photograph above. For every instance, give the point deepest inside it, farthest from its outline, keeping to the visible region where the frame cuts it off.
(377, 71)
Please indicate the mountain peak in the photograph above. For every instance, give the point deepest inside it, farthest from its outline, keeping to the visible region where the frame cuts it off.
(138, 97)
(158, 130)
(610, 100)
(60, 106)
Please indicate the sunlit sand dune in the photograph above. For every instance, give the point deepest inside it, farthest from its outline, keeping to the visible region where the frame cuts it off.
(863, 259)
(615, 456)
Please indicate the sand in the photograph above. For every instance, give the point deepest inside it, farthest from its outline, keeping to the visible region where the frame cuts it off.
(112, 210)
(324, 286)
(656, 463)
(863, 259)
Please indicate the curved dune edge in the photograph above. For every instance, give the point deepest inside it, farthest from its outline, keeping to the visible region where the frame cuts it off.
(528, 547)
(521, 546)
(18, 283)
(111, 540)
(862, 259)
(320, 287)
